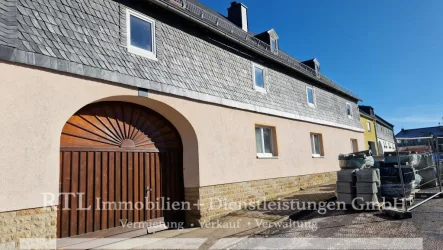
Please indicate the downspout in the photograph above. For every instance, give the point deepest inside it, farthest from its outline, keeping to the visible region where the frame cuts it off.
(376, 136)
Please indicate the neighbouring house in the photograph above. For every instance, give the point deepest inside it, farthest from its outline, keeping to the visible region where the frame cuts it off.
(370, 137)
(420, 138)
(139, 101)
(384, 131)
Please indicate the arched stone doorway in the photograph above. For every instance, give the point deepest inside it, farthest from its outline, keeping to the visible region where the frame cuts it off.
(118, 159)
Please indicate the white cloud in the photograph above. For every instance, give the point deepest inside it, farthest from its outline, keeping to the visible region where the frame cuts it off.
(416, 119)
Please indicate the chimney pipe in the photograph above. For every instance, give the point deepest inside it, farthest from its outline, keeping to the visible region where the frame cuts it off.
(238, 14)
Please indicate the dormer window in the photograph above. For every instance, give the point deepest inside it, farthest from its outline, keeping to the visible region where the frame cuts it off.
(274, 45)
(270, 37)
(317, 68)
(313, 64)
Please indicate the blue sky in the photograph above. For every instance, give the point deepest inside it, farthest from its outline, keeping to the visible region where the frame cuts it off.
(387, 52)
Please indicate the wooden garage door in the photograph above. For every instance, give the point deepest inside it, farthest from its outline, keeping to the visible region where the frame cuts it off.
(116, 160)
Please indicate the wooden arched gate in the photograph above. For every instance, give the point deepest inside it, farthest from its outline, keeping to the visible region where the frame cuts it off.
(112, 155)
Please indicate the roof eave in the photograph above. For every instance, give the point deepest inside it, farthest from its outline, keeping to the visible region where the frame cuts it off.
(366, 115)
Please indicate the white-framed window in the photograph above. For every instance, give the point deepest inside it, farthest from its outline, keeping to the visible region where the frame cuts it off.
(349, 110)
(258, 72)
(140, 32)
(354, 145)
(264, 141)
(274, 45)
(317, 145)
(368, 123)
(310, 96)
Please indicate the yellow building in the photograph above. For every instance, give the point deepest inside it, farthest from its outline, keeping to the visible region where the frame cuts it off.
(370, 136)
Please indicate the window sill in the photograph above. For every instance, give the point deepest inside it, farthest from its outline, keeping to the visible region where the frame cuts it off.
(267, 157)
(319, 156)
(260, 89)
(311, 105)
(142, 53)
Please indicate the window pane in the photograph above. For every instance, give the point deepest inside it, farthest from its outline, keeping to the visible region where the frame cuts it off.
(312, 144)
(140, 33)
(348, 109)
(273, 45)
(268, 137)
(258, 140)
(317, 144)
(311, 96)
(259, 79)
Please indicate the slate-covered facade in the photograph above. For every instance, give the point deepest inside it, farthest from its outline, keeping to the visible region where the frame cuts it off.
(61, 58)
(384, 131)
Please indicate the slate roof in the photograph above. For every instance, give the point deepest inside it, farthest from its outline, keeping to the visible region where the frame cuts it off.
(88, 38)
(368, 111)
(420, 132)
(8, 21)
(220, 22)
(384, 122)
(73, 31)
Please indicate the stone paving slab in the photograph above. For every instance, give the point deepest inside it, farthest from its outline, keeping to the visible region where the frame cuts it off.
(245, 223)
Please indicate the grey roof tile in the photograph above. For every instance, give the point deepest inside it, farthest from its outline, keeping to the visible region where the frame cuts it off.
(92, 33)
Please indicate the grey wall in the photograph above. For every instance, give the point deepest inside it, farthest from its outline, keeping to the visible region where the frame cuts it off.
(384, 132)
(91, 34)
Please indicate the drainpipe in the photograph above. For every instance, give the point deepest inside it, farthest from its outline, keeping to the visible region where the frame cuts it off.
(375, 130)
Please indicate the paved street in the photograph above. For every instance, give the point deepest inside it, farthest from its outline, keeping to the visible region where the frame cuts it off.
(427, 223)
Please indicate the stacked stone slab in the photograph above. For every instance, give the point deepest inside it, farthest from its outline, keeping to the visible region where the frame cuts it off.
(346, 185)
(351, 165)
(368, 186)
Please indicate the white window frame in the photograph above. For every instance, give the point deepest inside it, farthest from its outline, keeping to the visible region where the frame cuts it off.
(369, 126)
(275, 50)
(350, 110)
(315, 155)
(317, 69)
(266, 155)
(313, 97)
(257, 88)
(135, 50)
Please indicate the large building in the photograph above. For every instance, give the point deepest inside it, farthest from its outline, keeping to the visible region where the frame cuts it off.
(384, 131)
(122, 100)
(420, 138)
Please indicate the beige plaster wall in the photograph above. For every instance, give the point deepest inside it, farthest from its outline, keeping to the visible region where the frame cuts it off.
(35, 106)
(219, 142)
(227, 152)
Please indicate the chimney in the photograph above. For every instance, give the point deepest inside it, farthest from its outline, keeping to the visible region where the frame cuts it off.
(238, 14)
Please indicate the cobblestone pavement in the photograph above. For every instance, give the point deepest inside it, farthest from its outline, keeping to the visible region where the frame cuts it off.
(427, 223)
